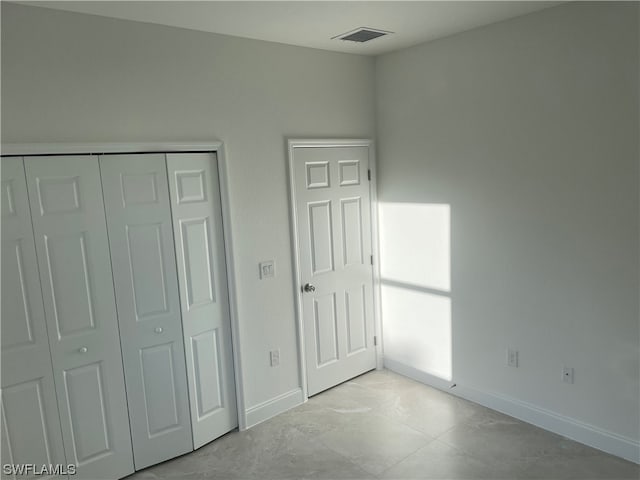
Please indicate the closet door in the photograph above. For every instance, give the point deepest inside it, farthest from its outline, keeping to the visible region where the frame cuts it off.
(136, 198)
(197, 223)
(75, 273)
(30, 424)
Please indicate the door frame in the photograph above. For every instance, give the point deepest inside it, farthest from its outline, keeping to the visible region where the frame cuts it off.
(292, 144)
(34, 149)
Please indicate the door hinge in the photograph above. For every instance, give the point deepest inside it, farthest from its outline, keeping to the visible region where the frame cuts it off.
(369, 174)
(371, 259)
(375, 341)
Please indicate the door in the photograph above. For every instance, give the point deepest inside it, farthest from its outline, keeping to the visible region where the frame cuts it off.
(332, 204)
(136, 197)
(31, 431)
(197, 224)
(77, 285)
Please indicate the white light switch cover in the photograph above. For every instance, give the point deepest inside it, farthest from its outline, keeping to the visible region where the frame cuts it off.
(267, 269)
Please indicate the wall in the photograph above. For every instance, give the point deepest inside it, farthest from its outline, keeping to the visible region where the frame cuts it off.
(526, 132)
(511, 151)
(70, 77)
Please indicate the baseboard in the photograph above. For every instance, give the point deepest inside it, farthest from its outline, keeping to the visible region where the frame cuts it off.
(595, 437)
(417, 375)
(269, 409)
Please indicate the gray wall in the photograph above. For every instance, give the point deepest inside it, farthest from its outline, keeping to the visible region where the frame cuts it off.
(76, 78)
(518, 142)
(528, 131)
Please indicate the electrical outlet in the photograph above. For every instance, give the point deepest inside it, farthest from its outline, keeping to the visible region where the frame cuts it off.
(274, 357)
(567, 374)
(512, 357)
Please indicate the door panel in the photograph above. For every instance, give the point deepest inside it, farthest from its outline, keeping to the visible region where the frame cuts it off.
(332, 202)
(89, 423)
(199, 281)
(159, 383)
(71, 286)
(321, 232)
(15, 298)
(26, 437)
(325, 331)
(351, 216)
(77, 285)
(144, 267)
(197, 221)
(31, 432)
(146, 255)
(355, 308)
(206, 356)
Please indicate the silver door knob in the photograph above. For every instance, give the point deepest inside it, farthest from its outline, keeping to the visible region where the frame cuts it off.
(309, 288)
(83, 350)
(158, 330)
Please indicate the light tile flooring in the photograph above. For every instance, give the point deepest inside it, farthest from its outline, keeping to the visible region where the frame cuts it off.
(383, 425)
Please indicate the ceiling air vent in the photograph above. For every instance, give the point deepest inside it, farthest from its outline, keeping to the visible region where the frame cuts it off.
(362, 34)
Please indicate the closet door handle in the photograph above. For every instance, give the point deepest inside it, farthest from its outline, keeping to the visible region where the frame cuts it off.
(158, 330)
(83, 350)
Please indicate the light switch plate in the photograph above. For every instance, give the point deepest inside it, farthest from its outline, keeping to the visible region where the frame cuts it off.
(267, 269)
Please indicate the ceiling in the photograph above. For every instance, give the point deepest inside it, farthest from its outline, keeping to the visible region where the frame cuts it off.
(314, 23)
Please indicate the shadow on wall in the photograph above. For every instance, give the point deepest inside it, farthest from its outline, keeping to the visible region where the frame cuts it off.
(415, 249)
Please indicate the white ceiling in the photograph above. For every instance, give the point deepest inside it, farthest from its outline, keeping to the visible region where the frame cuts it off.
(314, 23)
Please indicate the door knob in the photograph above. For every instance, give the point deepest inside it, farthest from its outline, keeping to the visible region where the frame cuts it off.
(158, 330)
(309, 288)
(83, 350)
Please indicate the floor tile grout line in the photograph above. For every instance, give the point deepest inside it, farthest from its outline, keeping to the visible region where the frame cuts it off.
(317, 440)
(407, 456)
(422, 432)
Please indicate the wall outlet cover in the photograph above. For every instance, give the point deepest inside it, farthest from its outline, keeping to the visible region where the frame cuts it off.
(567, 374)
(274, 357)
(267, 269)
(512, 357)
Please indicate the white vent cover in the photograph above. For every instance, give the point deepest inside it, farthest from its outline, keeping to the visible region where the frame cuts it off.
(362, 34)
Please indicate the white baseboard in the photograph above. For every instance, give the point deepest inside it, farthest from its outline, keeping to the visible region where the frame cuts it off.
(418, 375)
(269, 409)
(595, 437)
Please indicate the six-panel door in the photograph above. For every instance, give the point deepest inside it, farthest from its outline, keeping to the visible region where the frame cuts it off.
(197, 222)
(31, 431)
(136, 197)
(334, 238)
(77, 284)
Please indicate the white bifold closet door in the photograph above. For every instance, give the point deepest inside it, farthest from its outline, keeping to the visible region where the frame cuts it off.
(136, 198)
(31, 431)
(197, 222)
(80, 310)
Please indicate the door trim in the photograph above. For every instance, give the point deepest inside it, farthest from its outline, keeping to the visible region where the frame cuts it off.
(292, 144)
(34, 149)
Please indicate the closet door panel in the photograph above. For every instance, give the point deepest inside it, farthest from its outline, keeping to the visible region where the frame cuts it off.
(31, 432)
(144, 267)
(197, 222)
(75, 271)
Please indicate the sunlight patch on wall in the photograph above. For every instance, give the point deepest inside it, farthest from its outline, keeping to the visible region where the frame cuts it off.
(417, 330)
(415, 242)
(415, 255)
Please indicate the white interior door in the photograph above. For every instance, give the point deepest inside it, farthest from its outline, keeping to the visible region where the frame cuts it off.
(75, 272)
(197, 223)
(136, 197)
(31, 431)
(331, 195)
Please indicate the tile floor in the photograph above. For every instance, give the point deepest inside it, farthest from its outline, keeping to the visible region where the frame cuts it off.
(383, 425)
